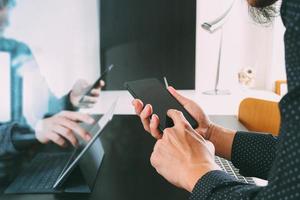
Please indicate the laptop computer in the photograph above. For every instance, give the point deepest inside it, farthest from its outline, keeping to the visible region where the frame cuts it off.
(65, 172)
(5, 91)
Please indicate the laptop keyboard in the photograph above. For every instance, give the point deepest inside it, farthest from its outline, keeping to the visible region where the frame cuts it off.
(41, 174)
(228, 167)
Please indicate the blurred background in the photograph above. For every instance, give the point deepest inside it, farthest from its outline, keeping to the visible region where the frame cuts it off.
(77, 39)
(63, 36)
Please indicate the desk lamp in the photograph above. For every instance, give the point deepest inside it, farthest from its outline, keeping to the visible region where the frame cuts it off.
(212, 27)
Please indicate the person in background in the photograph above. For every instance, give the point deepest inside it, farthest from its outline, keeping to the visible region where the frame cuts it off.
(189, 163)
(58, 123)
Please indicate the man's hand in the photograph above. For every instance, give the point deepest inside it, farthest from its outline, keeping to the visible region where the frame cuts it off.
(151, 121)
(61, 128)
(181, 158)
(79, 89)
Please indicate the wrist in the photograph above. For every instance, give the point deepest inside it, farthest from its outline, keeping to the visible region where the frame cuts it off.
(195, 175)
(212, 132)
(39, 133)
(222, 139)
(72, 99)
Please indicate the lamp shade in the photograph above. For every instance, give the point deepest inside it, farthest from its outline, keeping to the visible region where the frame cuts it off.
(219, 21)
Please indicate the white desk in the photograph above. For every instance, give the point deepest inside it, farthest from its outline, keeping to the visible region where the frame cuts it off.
(212, 105)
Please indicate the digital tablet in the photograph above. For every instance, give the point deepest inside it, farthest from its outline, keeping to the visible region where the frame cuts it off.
(95, 131)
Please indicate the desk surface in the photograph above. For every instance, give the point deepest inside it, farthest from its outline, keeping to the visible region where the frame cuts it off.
(126, 172)
(211, 104)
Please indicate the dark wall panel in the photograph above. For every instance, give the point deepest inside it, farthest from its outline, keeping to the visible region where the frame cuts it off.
(148, 38)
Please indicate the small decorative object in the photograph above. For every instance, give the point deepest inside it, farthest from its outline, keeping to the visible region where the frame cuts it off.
(247, 77)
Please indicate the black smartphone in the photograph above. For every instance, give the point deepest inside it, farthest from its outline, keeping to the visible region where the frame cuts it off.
(97, 83)
(151, 91)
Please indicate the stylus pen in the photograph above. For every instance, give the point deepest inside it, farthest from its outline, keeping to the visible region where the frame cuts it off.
(166, 82)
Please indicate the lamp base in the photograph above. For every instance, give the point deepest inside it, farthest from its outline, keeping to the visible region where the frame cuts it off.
(217, 92)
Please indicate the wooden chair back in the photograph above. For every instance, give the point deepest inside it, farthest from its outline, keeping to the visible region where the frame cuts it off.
(260, 115)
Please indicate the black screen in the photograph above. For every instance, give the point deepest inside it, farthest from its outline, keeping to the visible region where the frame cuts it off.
(151, 91)
(148, 38)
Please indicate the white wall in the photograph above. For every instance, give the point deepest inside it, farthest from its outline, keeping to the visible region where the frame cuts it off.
(64, 37)
(246, 44)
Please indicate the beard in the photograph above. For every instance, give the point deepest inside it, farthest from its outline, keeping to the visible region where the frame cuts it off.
(263, 11)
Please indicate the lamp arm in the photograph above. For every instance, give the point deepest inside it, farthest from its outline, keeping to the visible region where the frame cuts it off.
(219, 21)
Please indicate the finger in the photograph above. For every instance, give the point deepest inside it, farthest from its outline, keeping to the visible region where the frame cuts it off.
(145, 117)
(154, 123)
(176, 116)
(89, 99)
(57, 139)
(77, 117)
(75, 128)
(67, 134)
(102, 83)
(86, 105)
(95, 92)
(138, 106)
(182, 100)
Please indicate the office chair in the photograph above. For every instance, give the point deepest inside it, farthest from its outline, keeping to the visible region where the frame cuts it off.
(260, 115)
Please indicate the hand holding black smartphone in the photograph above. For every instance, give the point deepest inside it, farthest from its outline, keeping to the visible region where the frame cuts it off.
(151, 91)
(96, 84)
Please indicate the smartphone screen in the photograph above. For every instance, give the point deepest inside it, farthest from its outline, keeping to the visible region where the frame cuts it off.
(97, 83)
(151, 91)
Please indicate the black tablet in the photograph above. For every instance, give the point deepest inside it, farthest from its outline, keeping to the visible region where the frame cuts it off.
(95, 131)
(151, 91)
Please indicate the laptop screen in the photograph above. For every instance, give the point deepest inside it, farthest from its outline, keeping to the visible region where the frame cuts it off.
(5, 87)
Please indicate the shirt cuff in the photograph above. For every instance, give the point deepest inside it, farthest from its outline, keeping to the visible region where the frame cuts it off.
(6, 144)
(206, 185)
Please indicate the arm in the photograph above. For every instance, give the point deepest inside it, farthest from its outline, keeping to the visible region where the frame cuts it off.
(15, 138)
(283, 176)
(58, 104)
(223, 139)
(6, 145)
(252, 153)
(284, 179)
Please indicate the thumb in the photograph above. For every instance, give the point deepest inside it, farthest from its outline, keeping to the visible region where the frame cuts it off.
(181, 99)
